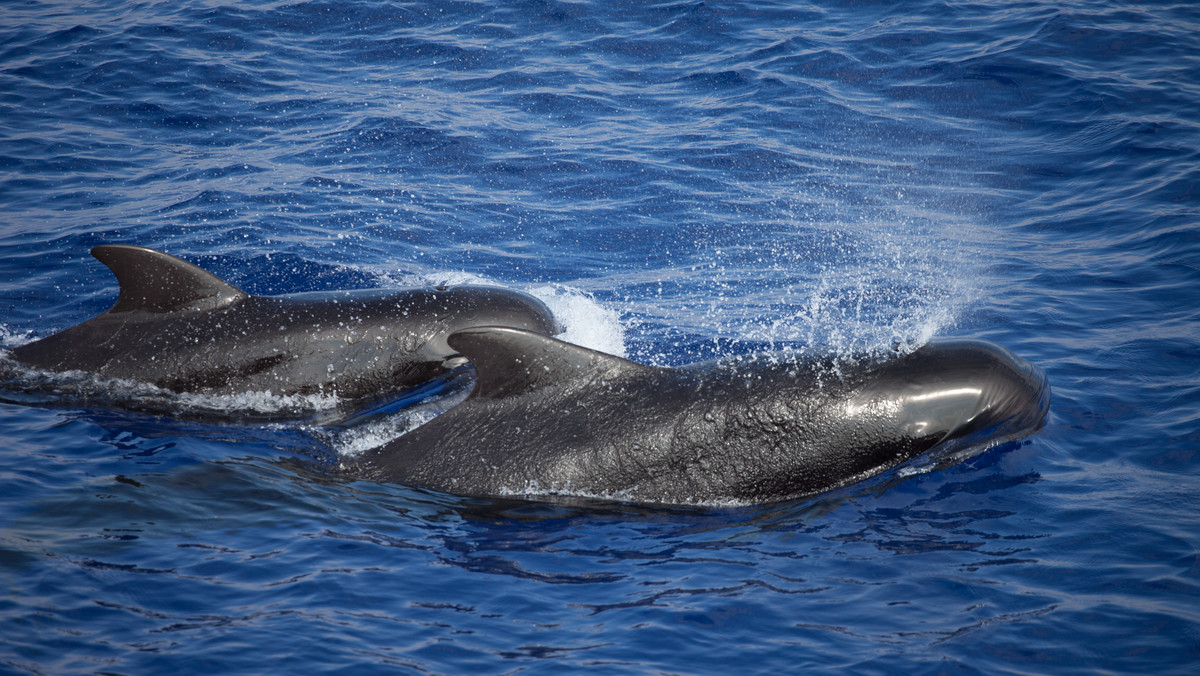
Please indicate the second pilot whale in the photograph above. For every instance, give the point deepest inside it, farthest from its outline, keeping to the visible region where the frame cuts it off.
(179, 327)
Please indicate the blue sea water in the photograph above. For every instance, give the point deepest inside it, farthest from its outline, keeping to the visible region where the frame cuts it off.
(681, 181)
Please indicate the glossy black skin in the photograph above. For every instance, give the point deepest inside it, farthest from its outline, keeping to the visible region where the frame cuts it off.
(551, 418)
(182, 329)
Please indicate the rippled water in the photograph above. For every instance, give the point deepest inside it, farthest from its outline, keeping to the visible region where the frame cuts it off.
(682, 181)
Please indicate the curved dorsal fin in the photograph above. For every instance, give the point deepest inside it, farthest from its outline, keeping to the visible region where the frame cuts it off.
(152, 281)
(509, 362)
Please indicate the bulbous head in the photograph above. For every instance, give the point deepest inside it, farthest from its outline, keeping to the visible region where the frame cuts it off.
(785, 433)
(958, 393)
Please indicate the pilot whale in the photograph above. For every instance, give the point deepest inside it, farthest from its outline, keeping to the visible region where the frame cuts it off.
(185, 330)
(547, 417)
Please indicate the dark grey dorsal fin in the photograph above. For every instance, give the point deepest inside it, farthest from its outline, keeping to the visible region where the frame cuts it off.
(152, 281)
(509, 362)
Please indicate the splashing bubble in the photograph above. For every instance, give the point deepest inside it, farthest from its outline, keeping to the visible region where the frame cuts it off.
(848, 282)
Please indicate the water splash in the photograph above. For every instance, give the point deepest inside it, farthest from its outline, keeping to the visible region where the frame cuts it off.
(585, 321)
(881, 281)
(10, 339)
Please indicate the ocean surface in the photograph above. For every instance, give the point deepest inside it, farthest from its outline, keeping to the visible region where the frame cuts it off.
(680, 181)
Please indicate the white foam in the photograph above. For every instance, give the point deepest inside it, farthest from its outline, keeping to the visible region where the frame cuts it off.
(533, 489)
(351, 441)
(10, 339)
(585, 321)
(256, 402)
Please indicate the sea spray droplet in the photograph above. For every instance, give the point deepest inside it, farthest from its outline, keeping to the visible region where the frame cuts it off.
(838, 277)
